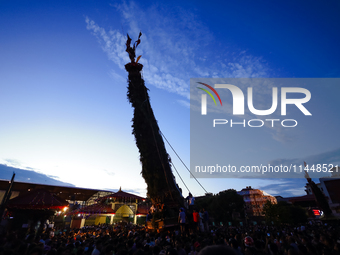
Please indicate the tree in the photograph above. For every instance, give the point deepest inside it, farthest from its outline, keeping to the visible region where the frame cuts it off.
(222, 205)
(270, 211)
(283, 212)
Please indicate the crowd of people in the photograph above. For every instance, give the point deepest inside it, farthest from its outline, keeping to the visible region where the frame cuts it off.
(194, 235)
(126, 239)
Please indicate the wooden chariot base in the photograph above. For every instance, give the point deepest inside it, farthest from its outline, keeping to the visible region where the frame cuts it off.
(163, 224)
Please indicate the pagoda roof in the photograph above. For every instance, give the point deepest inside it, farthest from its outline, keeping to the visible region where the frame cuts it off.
(123, 195)
(37, 199)
(64, 192)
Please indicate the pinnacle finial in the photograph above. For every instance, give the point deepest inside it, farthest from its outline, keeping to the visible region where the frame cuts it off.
(132, 50)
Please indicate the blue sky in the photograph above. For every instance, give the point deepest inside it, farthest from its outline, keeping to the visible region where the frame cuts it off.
(63, 101)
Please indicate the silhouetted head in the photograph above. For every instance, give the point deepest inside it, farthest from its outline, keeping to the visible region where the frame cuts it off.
(217, 250)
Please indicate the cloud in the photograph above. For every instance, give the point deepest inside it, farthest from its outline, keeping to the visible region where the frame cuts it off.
(328, 158)
(13, 163)
(29, 176)
(286, 187)
(112, 43)
(173, 52)
(283, 135)
(110, 173)
(184, 103)
(246, 66)
(117, 77)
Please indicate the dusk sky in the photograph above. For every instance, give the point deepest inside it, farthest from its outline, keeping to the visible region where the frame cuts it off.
(63, 105)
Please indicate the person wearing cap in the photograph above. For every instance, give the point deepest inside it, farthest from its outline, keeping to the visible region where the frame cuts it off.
(249, 246)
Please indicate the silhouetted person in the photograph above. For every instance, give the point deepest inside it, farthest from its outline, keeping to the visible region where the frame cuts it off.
(217, 250)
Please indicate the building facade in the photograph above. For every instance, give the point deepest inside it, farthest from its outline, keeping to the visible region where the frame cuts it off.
(255, 200)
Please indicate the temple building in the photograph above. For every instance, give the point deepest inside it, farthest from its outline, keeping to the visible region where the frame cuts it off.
(255, 200)
(110, 209)
(72, 206)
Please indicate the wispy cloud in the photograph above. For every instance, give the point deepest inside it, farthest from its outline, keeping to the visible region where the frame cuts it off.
(283, 135)
(328, 158)
(30, 176)
(173, 52)
(285, 187)
(184, 103)
(112, 43)
(109, 172)
(12, 163)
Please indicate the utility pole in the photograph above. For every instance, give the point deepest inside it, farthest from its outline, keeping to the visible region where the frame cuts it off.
(6, 197)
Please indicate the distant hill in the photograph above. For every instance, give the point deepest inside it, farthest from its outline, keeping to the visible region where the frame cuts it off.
(29, 176)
